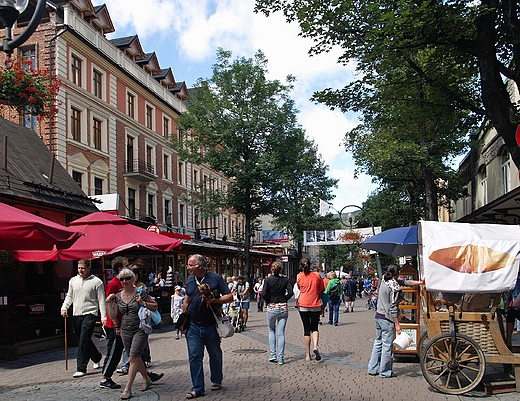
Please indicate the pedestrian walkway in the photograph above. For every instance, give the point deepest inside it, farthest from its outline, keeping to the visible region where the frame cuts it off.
(340, 375)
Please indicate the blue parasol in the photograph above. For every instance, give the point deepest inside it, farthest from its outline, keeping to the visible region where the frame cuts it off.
(401, 241)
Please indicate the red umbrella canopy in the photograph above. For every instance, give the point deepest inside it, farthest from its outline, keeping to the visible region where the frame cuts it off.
(105, 234)
(23, 230)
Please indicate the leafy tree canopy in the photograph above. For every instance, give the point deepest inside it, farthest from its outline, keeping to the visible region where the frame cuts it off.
(245, 127)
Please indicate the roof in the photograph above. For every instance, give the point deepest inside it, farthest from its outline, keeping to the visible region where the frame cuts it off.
(28, 175)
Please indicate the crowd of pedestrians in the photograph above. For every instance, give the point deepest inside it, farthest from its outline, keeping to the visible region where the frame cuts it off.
(205, 293)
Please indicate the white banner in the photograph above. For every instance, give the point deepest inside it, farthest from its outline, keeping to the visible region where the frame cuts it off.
(463, 257)
(338, 237)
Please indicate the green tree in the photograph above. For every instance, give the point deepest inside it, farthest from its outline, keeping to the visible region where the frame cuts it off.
(244, 126)
(301, 184)
(477, 39)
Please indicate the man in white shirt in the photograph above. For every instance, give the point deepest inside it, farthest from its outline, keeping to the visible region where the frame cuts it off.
(87, 295)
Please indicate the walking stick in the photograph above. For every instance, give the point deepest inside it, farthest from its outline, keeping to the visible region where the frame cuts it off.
(66, 347)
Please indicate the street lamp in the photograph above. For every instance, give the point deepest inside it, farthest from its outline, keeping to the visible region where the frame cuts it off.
(10, 10)
(350, 219)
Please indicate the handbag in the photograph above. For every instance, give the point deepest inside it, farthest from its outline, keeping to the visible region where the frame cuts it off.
(183, 322)
(224, 327)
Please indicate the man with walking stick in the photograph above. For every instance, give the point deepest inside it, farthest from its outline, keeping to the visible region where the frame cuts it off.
(87, 295)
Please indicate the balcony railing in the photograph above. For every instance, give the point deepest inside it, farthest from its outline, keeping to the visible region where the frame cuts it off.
(140, 170)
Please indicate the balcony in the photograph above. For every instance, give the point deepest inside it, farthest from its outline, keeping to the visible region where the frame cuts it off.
(139, 170)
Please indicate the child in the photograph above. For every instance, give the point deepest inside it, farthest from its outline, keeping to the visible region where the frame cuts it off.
(176, 308)
(233, 313)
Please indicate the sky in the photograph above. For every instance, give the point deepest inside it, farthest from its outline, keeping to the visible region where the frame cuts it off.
(185, 35)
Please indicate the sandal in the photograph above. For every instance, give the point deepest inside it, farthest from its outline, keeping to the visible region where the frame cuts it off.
(127, 394)
(146, 386)
(194, 394)
(318, 356)
(215, 387)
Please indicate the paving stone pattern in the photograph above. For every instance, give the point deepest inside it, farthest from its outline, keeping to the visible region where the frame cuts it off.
(340, 375)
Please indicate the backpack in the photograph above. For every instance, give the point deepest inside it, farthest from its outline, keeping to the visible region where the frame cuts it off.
(334, 293)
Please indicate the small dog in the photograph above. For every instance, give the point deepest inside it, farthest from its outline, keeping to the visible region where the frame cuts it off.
(208, 297)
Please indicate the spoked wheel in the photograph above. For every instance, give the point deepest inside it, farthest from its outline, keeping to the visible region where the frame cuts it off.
(423, 341)
(453, 366)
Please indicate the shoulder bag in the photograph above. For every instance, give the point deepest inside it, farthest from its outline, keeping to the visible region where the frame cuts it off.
(224, 327)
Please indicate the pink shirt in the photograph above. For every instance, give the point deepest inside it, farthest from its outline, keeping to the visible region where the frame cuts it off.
(311, 286)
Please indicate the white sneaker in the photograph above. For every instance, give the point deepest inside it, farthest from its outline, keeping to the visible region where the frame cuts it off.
(96, 365)
(78, 374)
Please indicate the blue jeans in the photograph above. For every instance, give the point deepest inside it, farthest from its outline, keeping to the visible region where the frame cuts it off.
(198, 337)
(280, 316)
(334, 311)
(382, 352)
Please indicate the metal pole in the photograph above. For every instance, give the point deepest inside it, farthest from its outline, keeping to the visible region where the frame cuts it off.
(378, 261)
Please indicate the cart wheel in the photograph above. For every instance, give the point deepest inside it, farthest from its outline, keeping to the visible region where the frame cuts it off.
(453, 376)
(423, 341)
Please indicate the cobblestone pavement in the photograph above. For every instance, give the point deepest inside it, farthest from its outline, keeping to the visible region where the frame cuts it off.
(340, 375)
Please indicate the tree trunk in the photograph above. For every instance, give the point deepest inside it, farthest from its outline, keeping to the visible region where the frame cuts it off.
(247, 246)
(496, 99)
(430, 193)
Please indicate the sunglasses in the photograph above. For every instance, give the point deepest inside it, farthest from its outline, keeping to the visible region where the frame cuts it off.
(125, 278)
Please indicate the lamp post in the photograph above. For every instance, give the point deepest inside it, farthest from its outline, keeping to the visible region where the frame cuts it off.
(10, 10)
(350, 219)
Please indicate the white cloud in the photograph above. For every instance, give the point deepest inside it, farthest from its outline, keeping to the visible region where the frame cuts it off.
(186, 33)
(350, 191)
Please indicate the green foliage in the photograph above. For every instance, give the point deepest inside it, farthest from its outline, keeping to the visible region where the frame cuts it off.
(28, 90)
(429, 72)
(244, 126)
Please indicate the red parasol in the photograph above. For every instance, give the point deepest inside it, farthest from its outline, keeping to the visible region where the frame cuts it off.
(104, 234)
(22, 230)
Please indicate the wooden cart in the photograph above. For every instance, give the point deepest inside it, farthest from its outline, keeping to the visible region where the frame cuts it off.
(458, 344)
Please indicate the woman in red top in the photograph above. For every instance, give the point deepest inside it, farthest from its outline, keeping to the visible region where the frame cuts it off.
(311, 286)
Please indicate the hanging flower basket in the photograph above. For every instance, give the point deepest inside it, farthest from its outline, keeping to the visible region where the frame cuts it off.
(29, 91)
(352, 237)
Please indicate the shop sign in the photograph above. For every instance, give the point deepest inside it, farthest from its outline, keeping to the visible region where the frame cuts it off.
(36, 309)
(284, 258)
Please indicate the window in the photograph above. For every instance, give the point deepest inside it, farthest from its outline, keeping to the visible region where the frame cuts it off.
(129, 153)
(130, 102)
(29, 58)
(166, 167)
(195, 179)
(225, 226)
(97, 83)
(166, 210)
(483, 186)
(131, 203)
(151, 199)
(166, 127)
(29, 121)
(98, 186)
(78, 177)
(181, 215)
(149, 116)
(76, 70)
(149, 158)
(506, 172)
(181, 173)
(29, 63)
(96, 133)
(75, 124)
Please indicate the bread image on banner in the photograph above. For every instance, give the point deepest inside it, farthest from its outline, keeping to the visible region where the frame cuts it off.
(472, 259)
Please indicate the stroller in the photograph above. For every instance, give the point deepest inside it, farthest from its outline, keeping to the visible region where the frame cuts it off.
(239, 324)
